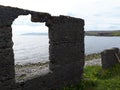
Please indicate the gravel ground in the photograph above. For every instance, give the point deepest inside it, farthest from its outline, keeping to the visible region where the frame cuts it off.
(24, 73)
(93, 62)
(28, 72)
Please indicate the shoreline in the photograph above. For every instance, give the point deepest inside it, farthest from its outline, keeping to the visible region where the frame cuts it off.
(87, 58)
(107, 33)
(31, 70)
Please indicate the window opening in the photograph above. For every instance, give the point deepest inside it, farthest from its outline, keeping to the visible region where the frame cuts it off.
(30, 48)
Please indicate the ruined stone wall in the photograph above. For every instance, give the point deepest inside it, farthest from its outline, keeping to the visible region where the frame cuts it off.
(110, 57)
(66, 47)
(66, 51)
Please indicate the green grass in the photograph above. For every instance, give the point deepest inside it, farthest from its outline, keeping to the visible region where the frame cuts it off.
(116, 33)
(95, 78)
(103, 33)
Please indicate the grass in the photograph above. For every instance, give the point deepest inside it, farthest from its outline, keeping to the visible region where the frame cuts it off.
(116, 33)
(103, 33)
(95, 78)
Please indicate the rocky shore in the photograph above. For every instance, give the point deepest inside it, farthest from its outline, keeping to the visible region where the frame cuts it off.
(93, 62)
(29, 71)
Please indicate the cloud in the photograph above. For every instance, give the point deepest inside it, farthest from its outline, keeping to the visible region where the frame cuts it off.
(25, 20)
(23, 25)
(98, 14)
(18, 29)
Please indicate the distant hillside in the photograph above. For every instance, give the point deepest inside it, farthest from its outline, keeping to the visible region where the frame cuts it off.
(34, 34)
(103, 33)
(87, 33)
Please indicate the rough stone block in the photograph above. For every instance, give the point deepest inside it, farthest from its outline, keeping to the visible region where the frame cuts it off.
(8, 15)
(66, 36)
(66, 30)
(39, 17)
(66, 53)
(110, 57)
(6, 37)
(6, 64)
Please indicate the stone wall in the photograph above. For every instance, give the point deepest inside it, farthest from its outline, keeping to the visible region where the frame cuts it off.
(110, 57)
(66, 51)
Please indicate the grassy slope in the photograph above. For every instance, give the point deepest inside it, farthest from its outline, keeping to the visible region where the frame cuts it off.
(116, 33)
(103, 33)
(95, 78)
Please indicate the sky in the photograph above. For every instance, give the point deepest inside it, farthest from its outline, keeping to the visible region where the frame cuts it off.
(98, 14)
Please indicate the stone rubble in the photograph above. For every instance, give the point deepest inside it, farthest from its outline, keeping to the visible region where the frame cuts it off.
(93, 62)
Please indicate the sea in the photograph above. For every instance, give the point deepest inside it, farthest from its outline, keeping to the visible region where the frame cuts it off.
(35, 48)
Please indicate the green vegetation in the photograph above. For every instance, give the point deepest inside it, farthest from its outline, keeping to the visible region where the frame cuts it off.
(92, 56)
(116, 33)
(91, 33)
(95, 78)
(103, 33)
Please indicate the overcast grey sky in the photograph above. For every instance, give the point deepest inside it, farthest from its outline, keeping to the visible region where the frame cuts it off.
(98, 14)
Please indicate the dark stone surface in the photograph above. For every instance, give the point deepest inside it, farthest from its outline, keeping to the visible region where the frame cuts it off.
(8, 15)
(110, 57)
(6, 37)
(39, 17)
(66, 36)
(66, 51)
(6, 64)
(64, 29)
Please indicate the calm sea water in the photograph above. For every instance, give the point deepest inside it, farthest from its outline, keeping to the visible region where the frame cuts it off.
(32, 49)
(95, 44)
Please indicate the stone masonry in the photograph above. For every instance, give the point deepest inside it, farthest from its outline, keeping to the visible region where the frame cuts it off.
(66, 51)
(110, 57)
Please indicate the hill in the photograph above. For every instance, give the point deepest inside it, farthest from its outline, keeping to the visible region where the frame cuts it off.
(103, 33)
